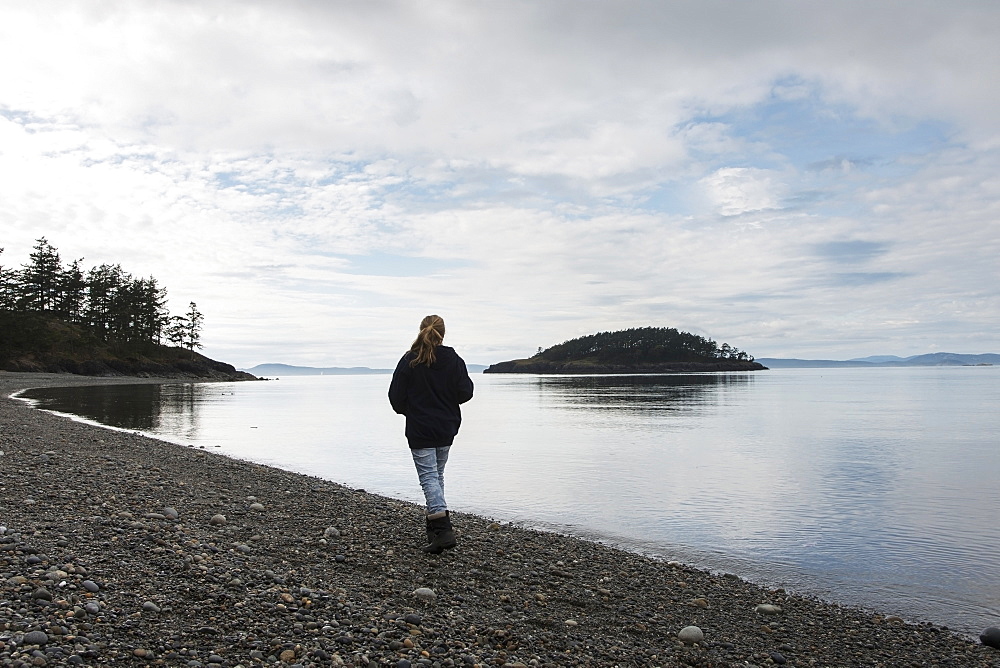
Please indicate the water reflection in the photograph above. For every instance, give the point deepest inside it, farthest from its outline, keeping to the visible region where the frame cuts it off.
(638, 393)
(148, 408)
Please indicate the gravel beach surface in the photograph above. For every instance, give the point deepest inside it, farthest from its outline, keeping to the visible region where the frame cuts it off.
(120, 549)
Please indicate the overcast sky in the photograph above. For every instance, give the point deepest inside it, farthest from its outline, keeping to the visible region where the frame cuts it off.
(798, 179)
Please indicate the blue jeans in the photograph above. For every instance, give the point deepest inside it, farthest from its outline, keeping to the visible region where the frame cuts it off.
(430, 469)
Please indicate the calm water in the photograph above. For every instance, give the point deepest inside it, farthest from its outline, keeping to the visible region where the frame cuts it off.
(872, 487)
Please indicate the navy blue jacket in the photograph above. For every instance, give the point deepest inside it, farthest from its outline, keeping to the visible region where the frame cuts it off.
(429, 397)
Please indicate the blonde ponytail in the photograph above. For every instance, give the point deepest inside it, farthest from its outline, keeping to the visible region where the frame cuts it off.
(430, 337)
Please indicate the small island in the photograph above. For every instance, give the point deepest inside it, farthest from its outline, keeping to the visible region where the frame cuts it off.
(638, 350)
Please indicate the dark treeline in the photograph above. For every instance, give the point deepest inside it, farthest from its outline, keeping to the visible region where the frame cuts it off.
(644, 344)
(107, 301)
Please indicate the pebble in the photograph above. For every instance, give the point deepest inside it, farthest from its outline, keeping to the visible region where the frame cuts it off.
(425, 594)
(91, 586)
(36, 638)
(991, 637)
(217, 520)
(331, 532)
(689, 635)
(149, 606)
(768, 609)
(257, 506)
(171, 513)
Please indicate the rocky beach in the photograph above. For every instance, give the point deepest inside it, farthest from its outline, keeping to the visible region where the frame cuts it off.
(116, 549)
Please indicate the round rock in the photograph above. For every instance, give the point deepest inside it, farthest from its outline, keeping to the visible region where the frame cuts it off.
(36, 638)
(690, 635)
(991, 637)
(425, 594)
(767, 609)
(217, 520)
(257, 506)
(91, 586)
(331, 532)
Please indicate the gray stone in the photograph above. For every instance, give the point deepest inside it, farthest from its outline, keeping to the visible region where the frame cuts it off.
(217, 520)
(425, 594)
(991, 637)
(768, 609)
(91, 586)
(36, 638)
(690, 635)
(149, 606)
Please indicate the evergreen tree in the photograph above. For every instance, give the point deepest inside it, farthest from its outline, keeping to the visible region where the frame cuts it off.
(72, 293)
(40, 279)
(645, 344)
(185, 330)
(194, 323)
(117, 307)
(103, 285)
(8, 288)
(176, 330)
(152, 315)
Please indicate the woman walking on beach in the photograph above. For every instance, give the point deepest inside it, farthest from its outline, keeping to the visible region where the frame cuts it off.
(427, 387)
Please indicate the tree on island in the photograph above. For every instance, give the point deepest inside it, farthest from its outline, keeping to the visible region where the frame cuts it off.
(185, 330)
(645, 345)
(107, 301)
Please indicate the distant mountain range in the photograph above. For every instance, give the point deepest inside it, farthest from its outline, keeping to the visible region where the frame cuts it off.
(278, 370)
(932, 359)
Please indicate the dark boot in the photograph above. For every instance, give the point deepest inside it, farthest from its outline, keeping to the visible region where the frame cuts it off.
(430, 530)
(440, 533)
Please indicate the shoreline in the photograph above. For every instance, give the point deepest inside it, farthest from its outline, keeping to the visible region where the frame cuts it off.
(307, 571)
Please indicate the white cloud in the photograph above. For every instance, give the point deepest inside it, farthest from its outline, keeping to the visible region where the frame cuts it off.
(738, 190)
(559, 168)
